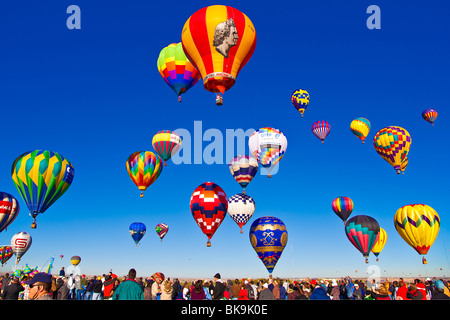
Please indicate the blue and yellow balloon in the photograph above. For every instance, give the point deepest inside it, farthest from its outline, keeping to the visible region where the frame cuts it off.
(268, 236)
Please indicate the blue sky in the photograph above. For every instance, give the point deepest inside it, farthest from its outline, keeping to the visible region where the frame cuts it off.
(95, 96)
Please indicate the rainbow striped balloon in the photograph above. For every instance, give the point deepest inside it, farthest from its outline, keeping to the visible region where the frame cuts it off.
(143, 167)
(166, 143)
(360, 127)
(430, 115)
(176, 69)
(321, 129)
(343, 207)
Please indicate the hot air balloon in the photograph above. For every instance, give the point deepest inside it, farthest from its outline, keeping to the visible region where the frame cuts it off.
(6, 252)
(430, 115)
(241, 208)
(166, 143)
(268, 236)
(176, 69)
(300, 100)
(161, 230)
(219, 41)
(41, 177)
(403, 165)
(379, 245)
(137, 231)
(20, 243)
(360, 127)
(75, 260)
(392, 144)
(343, 207)
(363, 232)
(321, 129)
(209, 206)
(418, 225)
(9, 210)
(268, 146)
(144, 167)
(243, 169)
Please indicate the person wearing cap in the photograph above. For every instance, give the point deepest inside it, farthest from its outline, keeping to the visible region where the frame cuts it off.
(219, 288)
(39, 287)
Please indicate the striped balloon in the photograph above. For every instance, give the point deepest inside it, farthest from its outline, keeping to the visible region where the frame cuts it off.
(378, 247)
(321, 129)
(9, 210)
(143, 167)
(6, 252)
(166, 143)
(430, 115)
(360, 127)
(243, 169)
(161, 230)
(268, 146)
(176, 69)
(392, 144)
(300, 100)
(241, 208)
(75, 260)
(343, 207)
(363, 232)
(41, 177)
(219, 40)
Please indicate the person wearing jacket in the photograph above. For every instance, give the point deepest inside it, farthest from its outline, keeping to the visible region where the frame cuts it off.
(265, 293)
(335, 292)
(129, 289)
(62, 293)
(413, 293)
(11, 292)
(319, 293)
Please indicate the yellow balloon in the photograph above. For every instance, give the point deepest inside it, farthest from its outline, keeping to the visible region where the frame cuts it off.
(379, 245)
(418, 225)
(392, 144)
(360, 127)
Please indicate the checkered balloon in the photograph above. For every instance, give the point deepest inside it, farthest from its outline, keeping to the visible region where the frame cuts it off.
(241, 208)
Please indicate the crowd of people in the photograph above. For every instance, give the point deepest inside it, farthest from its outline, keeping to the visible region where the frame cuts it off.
(42, 286)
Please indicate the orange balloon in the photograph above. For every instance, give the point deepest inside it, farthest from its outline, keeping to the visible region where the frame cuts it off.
(219, 40)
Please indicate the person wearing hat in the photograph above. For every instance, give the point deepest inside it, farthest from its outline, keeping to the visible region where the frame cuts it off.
(438, 293)
(39, 287)
(219, 288)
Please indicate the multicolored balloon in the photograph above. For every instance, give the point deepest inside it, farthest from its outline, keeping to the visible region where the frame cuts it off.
(166, 143)
(161, 230)
(343, 207)
(418, 225)
(209, 206)
(379, 245)
(137, 231)
(392, 144)
(75, 260)
(20, 243)
(241, 208)
(243, 169)
(9, 210)
(321, 129)
(268, 146)
(430, 115)
(300, 100)
(219, 41)
(360, 127)
(41, 177)
(6, 252)
(176, 69)
(143, 167)
(363, 232)
(268, 236)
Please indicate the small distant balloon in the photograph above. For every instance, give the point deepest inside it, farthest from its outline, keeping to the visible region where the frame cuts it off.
(137, 231)
(300, 100)
(321, 129)
(343, 207)
(241, 208)
(20, 243)
(75, 260)
(243, 169)
(392, 144)
(360, 127)
(430, 115)
(161, 230)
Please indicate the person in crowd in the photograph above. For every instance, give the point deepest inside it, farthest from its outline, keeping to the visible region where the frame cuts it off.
(219, 288)
(62, 292)
(129, 289)
(438, 292)
(40, 287)
(12, 290)
(166, 289)
(265, 293)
